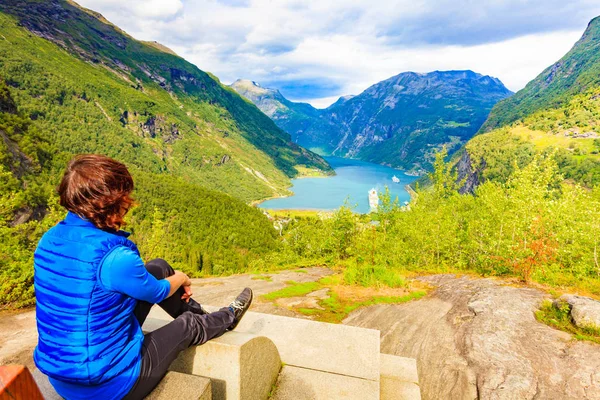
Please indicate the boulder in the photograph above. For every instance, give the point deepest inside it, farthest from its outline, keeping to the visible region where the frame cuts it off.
(584, 311)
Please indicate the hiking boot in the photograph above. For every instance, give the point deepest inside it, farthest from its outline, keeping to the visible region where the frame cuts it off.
(239, 306)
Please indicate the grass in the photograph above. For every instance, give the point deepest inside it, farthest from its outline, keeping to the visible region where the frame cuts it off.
(343, 298)
(559, 318)
(262, 277)
(374, 276)
(337, 308)
(454, 124)
(294, 289)
(543, 140)
(309, 172)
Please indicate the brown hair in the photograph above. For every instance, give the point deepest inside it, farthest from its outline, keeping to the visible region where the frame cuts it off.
(98, 189)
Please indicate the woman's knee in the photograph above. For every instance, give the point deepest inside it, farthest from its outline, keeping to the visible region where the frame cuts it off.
(159, 268)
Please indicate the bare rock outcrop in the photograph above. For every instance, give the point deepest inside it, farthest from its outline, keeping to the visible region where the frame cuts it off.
(469, 176)
(585, 312)
(479, 339)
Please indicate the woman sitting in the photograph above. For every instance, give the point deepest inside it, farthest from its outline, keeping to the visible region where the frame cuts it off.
(94, 292)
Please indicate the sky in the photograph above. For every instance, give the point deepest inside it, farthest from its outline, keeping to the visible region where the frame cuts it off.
(318, 50)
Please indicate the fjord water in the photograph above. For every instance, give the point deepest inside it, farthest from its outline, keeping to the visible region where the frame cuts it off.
(352, 181)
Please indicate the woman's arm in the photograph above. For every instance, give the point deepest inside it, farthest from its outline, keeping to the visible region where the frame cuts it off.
(177, 280)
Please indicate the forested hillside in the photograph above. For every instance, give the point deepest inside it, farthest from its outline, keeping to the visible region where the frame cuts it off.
(92, 88)
(577, 72)
(195, 228)
(558, 112)
(401, 121)
(72, 83)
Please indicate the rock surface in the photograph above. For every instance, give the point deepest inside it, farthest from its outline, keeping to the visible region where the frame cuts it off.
(584, 311)
(479, 339)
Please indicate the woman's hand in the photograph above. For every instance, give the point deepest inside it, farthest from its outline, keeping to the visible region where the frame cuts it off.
(177, 280)
(185, 279)
(188, 292)
(187, 287)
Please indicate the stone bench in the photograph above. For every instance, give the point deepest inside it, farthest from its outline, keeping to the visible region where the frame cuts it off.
(240, 366)
(334, 348)
(178, 386)
(174, 386)
(321, 360)
(399, 378)
(296, 383)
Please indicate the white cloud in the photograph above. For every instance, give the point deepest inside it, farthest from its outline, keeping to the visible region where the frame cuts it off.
(319, 50)
(136, 9)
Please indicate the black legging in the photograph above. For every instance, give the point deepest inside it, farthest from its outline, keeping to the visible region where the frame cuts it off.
(190, 327)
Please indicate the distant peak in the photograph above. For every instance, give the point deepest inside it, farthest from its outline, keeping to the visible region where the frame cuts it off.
(342, 100)
(246, 82)
(248, 86)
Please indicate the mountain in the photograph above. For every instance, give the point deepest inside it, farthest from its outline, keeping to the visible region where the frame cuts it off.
(557, 112)
(292, 117)
(577, 72)
(401, 121)
(71, 82)
(141, 102)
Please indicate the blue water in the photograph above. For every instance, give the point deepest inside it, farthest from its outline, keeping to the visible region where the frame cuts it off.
(353, 180)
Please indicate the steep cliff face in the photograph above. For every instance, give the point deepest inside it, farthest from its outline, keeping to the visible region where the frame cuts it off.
(292, 117)
(404, 120)
(401, 121)
(469, 175)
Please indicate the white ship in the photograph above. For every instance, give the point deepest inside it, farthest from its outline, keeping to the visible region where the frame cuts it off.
(373, 199)
(395, 179)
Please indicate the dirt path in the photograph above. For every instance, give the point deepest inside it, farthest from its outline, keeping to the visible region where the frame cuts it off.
(478, 339)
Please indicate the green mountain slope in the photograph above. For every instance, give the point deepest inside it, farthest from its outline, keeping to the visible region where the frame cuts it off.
(577, 72)
(195, 228)
(151, 107)
(557, 112)
(401, 121)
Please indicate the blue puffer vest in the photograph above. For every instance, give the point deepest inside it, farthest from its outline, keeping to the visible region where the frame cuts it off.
(87, 335)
